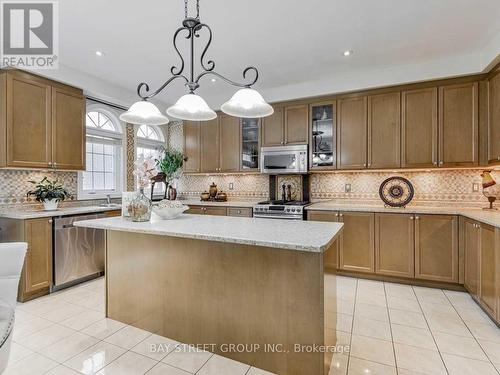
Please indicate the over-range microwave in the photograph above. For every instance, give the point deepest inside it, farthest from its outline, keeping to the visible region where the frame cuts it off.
(284, 159)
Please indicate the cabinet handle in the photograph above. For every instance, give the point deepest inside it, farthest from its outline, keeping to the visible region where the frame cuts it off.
(239, 211)
(50, 221)
(441, 163)
(417, 218)
(341, 215)
(282, 142)
(336, 215)
(435, 163)
(498, 158)
(286, 141)
(411, 218)
(364, 165)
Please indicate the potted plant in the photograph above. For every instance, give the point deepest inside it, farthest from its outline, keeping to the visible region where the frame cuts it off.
(50, 193)
(170, 164)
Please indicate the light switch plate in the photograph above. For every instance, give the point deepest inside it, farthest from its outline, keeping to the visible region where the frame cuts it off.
(347, 188)
(231, 186)
(475, 186)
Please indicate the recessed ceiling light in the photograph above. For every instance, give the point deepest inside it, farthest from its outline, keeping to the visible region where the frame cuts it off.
(99, 53)
(348, 53)
(213, 79)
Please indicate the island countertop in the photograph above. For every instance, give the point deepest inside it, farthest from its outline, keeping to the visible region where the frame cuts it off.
(305, 236)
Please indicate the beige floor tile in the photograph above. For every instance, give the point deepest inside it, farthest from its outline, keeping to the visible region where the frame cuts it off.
(492, 350)
(127, 337)
(164, 369)
(103, 328)
(429, 294)
(42, 305)
(35, 364)
(461, 346)
(83, 320)
(63, 313)
(18, 352)
(93, 359)
(45, 337)
(62, 370)
(400, 291)
(371, 298)
(362, 367)
(339, 364)
(256, 371)
(372, 328)
(187, 358)
(344, 323)
(465, 366)
(218, 365)
(129, 364)
(68, 347)
(23, 316)
(374, 312)
(447, 324)
(419, 337)
(343, 339)
(475, 316)
(24, 329)
(407, 318)
(438, 308)
(418, 359)
(155, 347)
(371, 349)
(406, 304)
(485, 331)
(340, 305)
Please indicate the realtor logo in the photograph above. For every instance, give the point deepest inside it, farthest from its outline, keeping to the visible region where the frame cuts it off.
(29, 34)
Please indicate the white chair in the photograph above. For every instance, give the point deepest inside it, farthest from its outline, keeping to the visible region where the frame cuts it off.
(11, 263)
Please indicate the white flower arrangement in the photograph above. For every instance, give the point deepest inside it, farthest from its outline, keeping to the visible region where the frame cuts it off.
(145, 170)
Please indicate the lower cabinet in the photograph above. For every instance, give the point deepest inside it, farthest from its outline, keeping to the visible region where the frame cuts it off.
(436, 248)
(239, 211)
(470, 234)
(395, 245)
(489, 290)
(331, 259)
(207, 210)
(357, 242)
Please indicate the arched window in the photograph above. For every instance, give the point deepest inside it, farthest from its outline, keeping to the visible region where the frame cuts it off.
(103, 172)
(149, 140)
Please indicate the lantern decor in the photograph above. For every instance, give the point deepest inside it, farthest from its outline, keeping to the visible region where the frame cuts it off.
(490, 189)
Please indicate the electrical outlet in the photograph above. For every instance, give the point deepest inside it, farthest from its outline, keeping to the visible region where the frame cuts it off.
(347, 188)
(475, 186)
(231, 186)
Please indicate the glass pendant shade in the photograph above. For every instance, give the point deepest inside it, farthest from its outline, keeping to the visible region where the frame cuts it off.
(247, 103)
(191, 107)
(144, 113)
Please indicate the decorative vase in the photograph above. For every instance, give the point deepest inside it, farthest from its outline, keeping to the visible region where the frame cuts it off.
(50, 205)
(172, 193)
(140, 207)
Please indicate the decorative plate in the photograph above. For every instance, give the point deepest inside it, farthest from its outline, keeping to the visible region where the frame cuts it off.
(396, 191)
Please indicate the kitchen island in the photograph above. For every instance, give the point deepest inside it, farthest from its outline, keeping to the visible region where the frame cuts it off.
(217, 281)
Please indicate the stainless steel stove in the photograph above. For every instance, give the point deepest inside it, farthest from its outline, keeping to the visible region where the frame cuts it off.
(293, 210)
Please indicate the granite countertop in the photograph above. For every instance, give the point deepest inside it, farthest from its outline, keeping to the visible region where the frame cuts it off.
(484, 216)
(308, 236)
(24, 214)
(229, 203)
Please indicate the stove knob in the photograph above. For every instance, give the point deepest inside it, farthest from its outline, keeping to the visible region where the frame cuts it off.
(293, 209)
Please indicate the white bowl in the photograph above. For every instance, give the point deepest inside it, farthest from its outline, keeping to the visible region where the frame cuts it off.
(168, 213)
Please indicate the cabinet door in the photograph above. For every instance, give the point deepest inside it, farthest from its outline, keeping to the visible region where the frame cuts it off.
(250, 144)
(229, 144)
(38, 263)
(331, 259)
(384, 131)
(323, 136)
(395, 245)
(192, 144)
(357, 252)
(488, 270)
(419, 128)
(195, 210)
(239, 211)
(68, 129)
(216, 211)
(272, 129)
(296, 124)
(210, 152)
(28, 121)
(494, 119)
(436, 247)
(471, 256)
(351, 133)
(458, 125)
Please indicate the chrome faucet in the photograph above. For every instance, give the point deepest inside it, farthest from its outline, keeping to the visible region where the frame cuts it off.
(108, 199)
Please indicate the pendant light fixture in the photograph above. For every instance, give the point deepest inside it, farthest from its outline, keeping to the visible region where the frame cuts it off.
(246, 102)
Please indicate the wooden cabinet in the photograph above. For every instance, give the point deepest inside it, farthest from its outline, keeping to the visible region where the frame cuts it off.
(331, 259)
(395, 245)
(230, 140)
(323, 135)
(37, 271)
(494, 118)
(209, 146)
(68, 129)
(471, 235)
(239, 211)
(436, 248)
(352, 133)
(384, 131)
(458, 125)
(192, 146)
(41, 123)
(357, 242)
(296, 124)
(419, 128)
(207, 210)
(272, 128)
(489, 287)
(250, 144)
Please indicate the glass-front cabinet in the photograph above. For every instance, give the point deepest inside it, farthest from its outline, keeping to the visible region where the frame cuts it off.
(249, 144)
(323, 136)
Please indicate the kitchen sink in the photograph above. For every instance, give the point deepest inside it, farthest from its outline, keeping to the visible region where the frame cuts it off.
(110, 205)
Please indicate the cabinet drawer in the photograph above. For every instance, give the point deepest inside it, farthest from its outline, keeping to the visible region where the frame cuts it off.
(206, 210)
(239, 211)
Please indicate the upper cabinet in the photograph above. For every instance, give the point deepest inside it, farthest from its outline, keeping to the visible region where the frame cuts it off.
(458, 125)
(192, 140)
(286, 126)
(384, 130)
(250, 146)
(494, 118)
(230, 139)
(209, 146)
(51, 114)
(419, 128)
(323, 135)
(352, 133)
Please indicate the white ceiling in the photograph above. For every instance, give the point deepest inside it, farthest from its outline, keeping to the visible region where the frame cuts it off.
(297, 45)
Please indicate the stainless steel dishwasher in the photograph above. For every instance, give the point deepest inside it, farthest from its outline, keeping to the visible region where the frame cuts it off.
(78, 252)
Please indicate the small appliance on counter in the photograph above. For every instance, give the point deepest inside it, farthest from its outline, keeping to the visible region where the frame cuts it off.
(213, 195)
